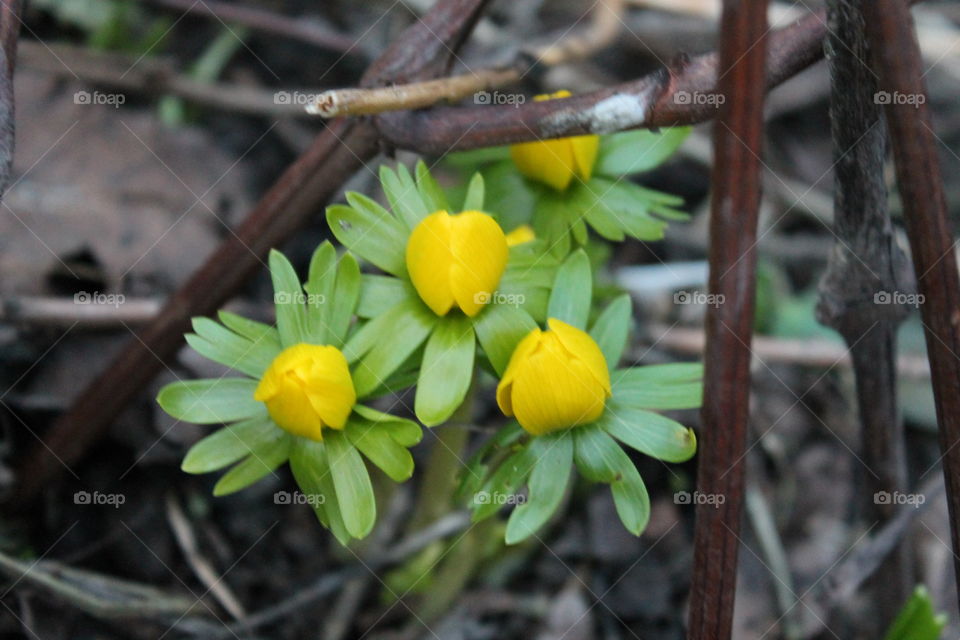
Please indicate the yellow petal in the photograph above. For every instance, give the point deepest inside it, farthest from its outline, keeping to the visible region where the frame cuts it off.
(429, 260)
(480, 252)
(520, 353)
(521, 235)
(548, 161)
(306, 388)
(579, 345)
(552, 392)
(292, 411)
(584, 150)
(330, 388)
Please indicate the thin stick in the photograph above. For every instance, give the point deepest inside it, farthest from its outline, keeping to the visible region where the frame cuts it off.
(896, 60)
(737, 142)
(604, 27)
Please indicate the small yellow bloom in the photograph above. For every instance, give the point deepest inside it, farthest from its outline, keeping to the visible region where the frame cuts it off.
(556, 162)
(556, 379)
(308, 387)
(521, 235)
(456, 260)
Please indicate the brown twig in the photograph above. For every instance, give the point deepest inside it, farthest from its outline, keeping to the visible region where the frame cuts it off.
(867, 262)
(737, 142)
(605, 25)
(424, 48)
(895, 57)
(662, 99)
(302, 29)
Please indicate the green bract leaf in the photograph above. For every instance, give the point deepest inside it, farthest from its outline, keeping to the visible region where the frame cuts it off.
(404, 432)
(311, 470)
(508, 195)
(217, 343)
(430, 191)
(473, 201)
(641, 389)
(369, 231)
(446, 370)
(503, 484)
(352, 484)
(917, 619)
(288, 301)
(389, 339)
(650, 433)
(211, 401)
(477, 466)
(630, 496)
(572, 291)
(262, 462)
(403, 195)
(227, 445)
(256, 332)
(321, 280)
(499, 329)
(597, 454)
(628, 205)
(380, 448)
(379, 294)
(346, 295)
(547, 484)
(611, 328)
(588, 198)
(636, 151)
(552, 218)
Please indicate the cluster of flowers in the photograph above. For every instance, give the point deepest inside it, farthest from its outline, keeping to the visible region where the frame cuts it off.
(455, 290)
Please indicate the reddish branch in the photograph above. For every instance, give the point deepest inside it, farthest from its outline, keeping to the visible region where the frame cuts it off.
(658, 100)
(737, 145)
(895, 57)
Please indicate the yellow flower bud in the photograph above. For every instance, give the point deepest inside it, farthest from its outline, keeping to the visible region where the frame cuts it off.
(306, 388)
(456, 260)
(556, 162)
(556, 379)
(521, 235)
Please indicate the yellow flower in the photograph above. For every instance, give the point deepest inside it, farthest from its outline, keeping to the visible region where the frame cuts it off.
(521, 235)
(306, 388)
(556, 379)
(456, 260)
(556, 162)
